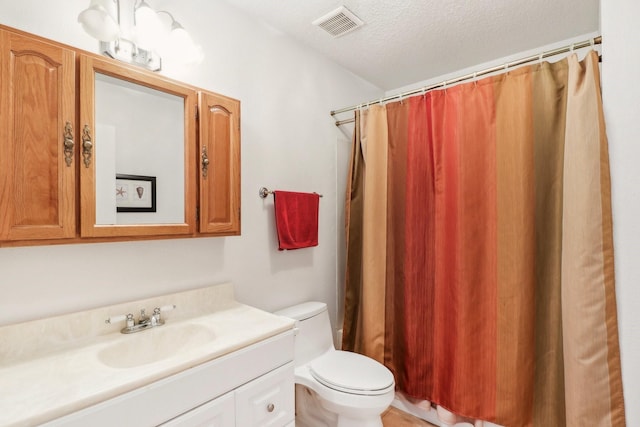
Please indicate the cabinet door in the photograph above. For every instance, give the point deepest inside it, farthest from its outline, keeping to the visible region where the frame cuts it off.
(219, 412)
(137, 146)
(219, 152)
(37, 128)
(268, 400)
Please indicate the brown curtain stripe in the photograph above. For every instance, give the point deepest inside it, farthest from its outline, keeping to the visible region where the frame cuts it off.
(549, 122)
(353, 231)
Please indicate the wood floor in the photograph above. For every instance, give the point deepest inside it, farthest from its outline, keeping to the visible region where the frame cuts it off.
(396, 418)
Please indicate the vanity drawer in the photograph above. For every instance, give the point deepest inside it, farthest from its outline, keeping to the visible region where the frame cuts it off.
(267, 401)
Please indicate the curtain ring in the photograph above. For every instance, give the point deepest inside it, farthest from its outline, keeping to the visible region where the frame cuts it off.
(475, 75)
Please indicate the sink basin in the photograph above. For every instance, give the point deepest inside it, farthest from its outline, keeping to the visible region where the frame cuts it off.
(155, 344)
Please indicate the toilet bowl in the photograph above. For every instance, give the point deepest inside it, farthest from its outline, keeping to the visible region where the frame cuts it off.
(342, 388)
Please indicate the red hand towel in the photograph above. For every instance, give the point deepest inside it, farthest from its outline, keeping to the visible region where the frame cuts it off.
(296, 219)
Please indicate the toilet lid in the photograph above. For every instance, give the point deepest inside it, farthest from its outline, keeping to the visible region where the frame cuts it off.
(351, 373)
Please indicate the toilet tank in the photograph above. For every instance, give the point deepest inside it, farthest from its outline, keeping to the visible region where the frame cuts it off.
(313, 330)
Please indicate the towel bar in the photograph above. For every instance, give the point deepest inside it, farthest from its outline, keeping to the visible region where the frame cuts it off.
(264, 192)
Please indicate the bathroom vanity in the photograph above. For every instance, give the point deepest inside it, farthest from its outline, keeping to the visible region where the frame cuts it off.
(214, 362)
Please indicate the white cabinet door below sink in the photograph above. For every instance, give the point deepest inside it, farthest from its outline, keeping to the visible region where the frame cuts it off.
(219, 412)
(267, 401)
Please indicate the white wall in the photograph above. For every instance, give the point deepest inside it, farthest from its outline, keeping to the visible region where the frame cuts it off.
(621, 92)
(503, 60)
(288, 142)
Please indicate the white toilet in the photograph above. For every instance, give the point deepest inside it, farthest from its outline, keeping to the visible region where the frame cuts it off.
(334, 388)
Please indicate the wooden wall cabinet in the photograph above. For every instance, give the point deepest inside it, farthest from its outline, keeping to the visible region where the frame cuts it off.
(48, 187)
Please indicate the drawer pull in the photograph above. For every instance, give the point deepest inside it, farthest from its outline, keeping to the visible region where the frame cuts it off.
(271, 407)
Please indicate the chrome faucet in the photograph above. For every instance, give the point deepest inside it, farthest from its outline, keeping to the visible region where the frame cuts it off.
(144, 321)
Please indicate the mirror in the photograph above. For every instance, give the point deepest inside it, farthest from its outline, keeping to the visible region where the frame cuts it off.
(139, 134)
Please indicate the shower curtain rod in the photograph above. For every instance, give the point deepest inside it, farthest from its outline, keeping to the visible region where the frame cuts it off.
(565, 49)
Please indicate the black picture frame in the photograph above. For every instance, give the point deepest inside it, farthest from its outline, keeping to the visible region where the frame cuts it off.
(135, 193)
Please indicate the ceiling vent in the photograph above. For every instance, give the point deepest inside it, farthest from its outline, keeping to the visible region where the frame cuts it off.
(339, 22)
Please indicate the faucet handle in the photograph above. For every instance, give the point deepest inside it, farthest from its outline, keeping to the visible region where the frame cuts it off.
(130, 321)
(166, 308)
(120, 318)
(157, 313)
(155, 317)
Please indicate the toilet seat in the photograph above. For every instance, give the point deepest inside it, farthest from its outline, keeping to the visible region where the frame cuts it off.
(351, 373)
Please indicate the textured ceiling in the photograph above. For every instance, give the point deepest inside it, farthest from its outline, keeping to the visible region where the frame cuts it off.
(406, 41)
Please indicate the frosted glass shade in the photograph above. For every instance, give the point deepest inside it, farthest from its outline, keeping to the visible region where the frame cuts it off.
(150, 32)
(180, 47)
(98, 21)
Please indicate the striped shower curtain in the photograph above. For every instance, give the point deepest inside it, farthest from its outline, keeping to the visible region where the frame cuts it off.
(479, 248)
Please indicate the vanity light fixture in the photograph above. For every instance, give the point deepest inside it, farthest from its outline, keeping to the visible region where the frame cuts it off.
(141, 38)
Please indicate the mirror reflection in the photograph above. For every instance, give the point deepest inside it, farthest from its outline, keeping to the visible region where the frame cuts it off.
(140, 176)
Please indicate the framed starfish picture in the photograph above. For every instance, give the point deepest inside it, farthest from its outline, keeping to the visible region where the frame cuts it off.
(135, 193)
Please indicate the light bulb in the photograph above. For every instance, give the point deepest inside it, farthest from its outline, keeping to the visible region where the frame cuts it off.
(149, 30)
(180, 46)
(97, 20)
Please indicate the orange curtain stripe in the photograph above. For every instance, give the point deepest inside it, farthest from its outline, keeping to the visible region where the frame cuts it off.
(515, 223)
(374, 235)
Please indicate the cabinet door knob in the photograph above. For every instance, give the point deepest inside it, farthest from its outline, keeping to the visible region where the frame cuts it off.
(271, 407)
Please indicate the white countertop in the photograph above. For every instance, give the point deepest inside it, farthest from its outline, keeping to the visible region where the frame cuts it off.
(72, 376)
